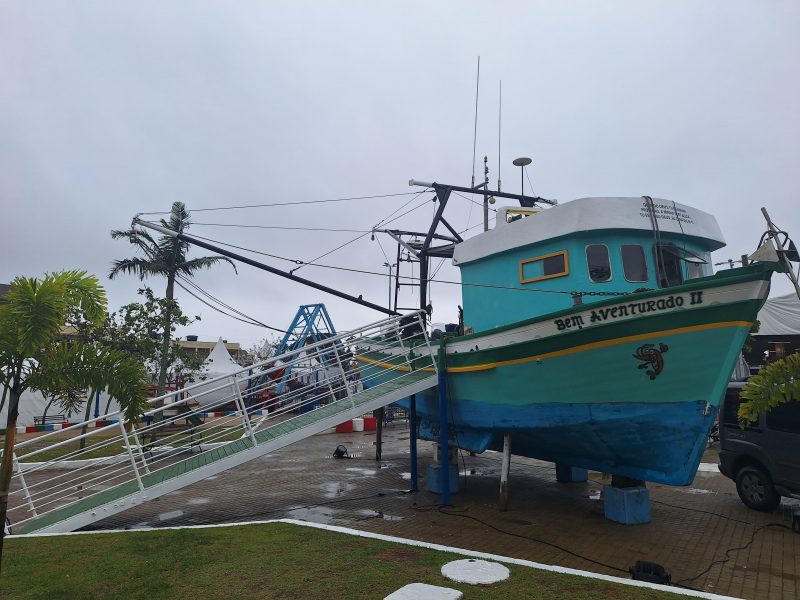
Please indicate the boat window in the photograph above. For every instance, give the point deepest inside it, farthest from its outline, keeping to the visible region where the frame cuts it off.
(730, 407)
(633, 262)
(694, 270)
(598, 263)
(542, 267)
(670, 265)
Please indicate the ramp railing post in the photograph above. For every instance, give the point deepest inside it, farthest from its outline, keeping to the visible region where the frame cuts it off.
(130, 454)
(428, 342)
(237, 393)
(139, 446)
(444, 449)
(344, 375)
(28, 498)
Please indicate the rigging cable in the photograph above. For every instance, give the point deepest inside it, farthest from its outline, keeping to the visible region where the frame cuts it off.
(475, 202)
(355, 239)
(249, 320)
(283, 227)
(417, 279)
(270, 204)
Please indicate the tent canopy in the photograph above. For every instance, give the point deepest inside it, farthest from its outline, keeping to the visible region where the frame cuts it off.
(219, 361)
(780, 316)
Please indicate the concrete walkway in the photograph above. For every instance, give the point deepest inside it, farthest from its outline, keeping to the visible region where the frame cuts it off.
(691, 533)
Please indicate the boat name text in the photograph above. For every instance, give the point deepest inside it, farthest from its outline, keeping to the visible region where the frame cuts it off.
(631, 309)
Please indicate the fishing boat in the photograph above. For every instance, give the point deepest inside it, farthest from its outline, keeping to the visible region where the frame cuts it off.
(594, 332)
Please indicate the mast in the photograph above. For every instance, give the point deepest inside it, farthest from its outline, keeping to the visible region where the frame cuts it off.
(443, 195)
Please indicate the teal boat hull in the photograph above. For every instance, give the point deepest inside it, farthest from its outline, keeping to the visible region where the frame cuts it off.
(633, 394)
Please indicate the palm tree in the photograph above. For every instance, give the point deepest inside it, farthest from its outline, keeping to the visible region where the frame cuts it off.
(32, 314)
(165, 258)
(774, 385)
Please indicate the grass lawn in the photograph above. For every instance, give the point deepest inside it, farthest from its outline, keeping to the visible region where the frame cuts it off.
(273, 560)
(110, 449)
(212, 434)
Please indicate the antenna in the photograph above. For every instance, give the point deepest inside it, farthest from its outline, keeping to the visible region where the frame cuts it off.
(499, 132)
(522, 163)
(475, 129)
(485, 196)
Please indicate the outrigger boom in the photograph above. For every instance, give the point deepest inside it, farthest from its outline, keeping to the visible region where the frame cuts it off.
(259, 265)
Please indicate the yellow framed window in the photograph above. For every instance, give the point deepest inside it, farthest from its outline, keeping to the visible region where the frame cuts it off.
(547, 266)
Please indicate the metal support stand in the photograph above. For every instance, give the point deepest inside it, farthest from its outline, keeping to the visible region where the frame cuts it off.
(504, 470)
(412, 425)
(379, 432)
(444, 462)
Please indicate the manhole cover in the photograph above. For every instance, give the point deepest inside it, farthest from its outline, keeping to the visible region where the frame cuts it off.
(473, 570)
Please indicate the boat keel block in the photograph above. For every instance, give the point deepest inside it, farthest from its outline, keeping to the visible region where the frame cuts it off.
(568, 474)
(629, 506)
(433, 478)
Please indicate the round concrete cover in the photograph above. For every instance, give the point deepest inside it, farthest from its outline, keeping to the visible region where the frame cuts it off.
(473, 570)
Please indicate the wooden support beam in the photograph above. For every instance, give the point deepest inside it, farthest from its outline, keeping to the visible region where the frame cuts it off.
(504, 470)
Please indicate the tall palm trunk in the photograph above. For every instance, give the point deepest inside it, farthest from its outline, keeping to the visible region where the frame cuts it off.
(166, 338)
(86, 414)
(3, 401)
(7, 466)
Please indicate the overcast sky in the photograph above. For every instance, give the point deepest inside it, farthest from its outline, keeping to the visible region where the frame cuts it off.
(112, 108)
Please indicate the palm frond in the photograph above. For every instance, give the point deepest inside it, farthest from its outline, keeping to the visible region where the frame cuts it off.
(141, 267)
(204, 262)
(84, 291)
(88, 366)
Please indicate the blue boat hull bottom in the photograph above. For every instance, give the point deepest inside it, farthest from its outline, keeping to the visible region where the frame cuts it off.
(620, 438)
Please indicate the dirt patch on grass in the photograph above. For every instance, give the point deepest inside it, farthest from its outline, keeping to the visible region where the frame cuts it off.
(401, 555)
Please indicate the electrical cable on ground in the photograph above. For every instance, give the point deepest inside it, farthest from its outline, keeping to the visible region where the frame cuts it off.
(733, 549)
(462, 513)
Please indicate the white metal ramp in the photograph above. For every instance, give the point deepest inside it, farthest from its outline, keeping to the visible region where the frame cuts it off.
(214, 426)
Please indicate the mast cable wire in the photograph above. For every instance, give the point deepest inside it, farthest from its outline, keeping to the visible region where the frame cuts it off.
(298, 202)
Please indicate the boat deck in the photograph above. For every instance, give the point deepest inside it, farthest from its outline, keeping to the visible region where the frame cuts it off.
(692, 528)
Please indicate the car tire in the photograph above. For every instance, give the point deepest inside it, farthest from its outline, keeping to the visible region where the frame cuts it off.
(756, 490)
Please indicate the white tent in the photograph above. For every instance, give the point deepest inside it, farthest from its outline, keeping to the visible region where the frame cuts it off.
(780, 316)
(218, 364)
(219, 361)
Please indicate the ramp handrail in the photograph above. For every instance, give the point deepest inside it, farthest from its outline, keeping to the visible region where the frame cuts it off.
(241, 410)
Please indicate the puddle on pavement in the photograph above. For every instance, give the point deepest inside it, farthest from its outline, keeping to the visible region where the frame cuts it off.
(333, 489)
(173, 514)
(196, 501)
(377, 514)
(315, 514)
(361, 471)
(475, 472)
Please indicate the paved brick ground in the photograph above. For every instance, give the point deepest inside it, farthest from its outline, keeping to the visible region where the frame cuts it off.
(693, 531)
